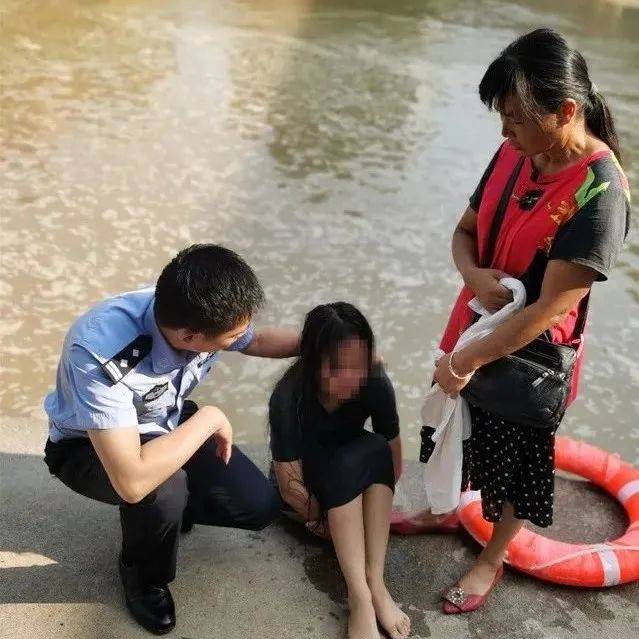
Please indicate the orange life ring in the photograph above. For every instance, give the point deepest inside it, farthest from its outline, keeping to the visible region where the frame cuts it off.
(587, 566)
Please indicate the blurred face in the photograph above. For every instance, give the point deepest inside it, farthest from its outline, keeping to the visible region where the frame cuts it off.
(341, 380)
(186, 340)
(533, 135)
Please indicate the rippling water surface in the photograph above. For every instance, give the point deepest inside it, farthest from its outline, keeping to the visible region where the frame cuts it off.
(333, 144)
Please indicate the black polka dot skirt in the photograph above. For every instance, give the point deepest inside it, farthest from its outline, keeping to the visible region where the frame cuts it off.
(507, 463)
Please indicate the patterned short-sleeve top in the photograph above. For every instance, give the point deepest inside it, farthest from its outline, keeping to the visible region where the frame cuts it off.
(581, 214)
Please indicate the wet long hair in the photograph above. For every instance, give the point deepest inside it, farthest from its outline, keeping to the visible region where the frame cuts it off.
(542, 70)
(326, 328)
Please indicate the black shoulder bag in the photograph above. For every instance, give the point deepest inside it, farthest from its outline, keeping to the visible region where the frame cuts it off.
(531, 386)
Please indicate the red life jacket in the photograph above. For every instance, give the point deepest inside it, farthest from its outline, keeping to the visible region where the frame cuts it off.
(526, 237)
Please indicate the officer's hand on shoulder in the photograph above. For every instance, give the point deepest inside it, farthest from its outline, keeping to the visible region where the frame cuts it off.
(222, 431)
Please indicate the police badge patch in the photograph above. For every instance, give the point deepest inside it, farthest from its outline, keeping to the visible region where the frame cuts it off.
(155, 392)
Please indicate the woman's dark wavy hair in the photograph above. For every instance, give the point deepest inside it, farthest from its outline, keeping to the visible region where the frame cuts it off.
(542, 70)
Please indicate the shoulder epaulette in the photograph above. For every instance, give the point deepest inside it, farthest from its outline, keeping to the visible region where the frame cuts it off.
(128, 358)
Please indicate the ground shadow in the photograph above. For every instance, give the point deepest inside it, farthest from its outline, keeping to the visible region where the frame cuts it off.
(76, 540)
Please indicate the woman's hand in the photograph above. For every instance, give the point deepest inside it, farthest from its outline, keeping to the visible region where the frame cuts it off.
(450, 384)
(319, 529)
(484, 282)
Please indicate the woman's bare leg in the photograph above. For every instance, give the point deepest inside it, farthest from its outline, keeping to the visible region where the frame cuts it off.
(378, 500)
(346, 524)
(479, 578)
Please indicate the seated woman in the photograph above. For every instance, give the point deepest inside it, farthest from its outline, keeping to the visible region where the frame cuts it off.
(331, 470)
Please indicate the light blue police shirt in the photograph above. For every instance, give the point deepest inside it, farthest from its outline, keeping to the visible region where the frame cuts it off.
(117, 370)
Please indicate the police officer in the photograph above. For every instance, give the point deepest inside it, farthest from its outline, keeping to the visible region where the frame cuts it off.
(122, 433)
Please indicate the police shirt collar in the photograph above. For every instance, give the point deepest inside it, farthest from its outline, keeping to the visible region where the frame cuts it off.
(163, 356)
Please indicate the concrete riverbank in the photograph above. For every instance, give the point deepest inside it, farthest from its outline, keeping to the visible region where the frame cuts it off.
(58, 576)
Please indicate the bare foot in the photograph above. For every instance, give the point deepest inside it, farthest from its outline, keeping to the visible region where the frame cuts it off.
(426, 518)
(362, 623)
(395, 622)
(479, 578)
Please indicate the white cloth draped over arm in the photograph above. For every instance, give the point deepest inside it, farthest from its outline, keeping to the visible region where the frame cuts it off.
(450, 417)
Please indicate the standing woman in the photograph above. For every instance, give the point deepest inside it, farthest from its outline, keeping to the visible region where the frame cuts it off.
(563, 228)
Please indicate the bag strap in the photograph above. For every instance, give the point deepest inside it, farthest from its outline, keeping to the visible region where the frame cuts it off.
(500, 213)
(582, 309)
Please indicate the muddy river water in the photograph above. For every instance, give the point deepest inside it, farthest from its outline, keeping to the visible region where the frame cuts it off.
(333, 144)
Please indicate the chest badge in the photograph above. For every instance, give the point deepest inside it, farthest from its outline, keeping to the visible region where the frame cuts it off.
(155, 392)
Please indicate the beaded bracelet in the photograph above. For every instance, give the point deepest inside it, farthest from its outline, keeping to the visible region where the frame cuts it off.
(451, 370)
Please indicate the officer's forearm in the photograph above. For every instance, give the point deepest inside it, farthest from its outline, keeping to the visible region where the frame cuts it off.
(162, 456)
(165, 455)
(274, 342)
(136, 470)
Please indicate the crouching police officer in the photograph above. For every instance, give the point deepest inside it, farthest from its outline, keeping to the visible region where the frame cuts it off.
(122, 433)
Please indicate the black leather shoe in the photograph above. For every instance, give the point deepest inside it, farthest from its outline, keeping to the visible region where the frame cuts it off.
(151, 606)
(187, 522)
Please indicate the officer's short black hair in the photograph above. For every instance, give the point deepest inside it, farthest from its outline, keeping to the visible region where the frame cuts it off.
(207, 288)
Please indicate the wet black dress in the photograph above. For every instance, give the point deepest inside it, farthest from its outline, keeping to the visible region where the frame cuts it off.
(340, 458)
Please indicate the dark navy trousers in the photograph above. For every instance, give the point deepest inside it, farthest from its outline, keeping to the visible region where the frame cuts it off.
(212, 493)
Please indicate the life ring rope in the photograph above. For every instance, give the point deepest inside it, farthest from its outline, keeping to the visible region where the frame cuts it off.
(594, 549)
